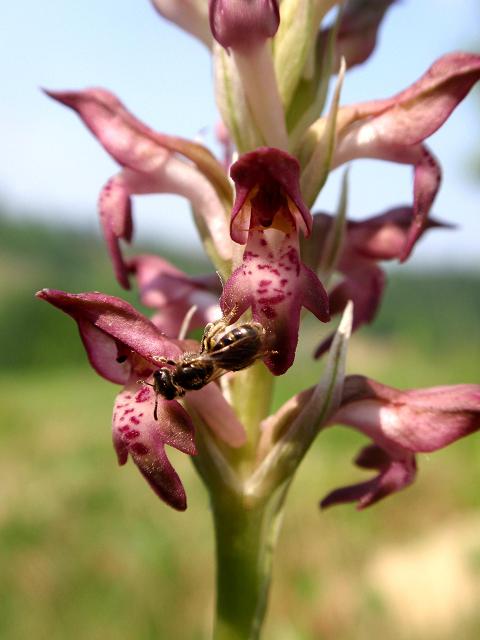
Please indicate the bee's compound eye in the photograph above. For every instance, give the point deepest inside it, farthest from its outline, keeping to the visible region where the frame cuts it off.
(163, 384)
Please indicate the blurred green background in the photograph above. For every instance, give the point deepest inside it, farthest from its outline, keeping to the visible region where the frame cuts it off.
(86, 549)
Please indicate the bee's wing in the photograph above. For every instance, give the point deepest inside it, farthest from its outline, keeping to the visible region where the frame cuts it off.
(232, 354)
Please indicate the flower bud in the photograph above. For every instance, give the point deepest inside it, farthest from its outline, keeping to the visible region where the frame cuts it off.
(243, 24)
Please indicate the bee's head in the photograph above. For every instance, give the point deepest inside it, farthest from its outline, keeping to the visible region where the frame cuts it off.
(163, 384)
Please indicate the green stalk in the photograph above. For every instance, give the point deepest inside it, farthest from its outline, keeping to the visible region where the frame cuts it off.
(251, 396)
(245, 537)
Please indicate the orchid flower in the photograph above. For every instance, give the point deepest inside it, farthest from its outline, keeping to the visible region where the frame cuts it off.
(122, 346)
(401, 424)
(366, 243)
(267, 217)
(152, 163)
(394, 129)
(173, 294)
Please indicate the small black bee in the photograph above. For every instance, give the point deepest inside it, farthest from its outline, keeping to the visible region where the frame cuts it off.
(235, 349)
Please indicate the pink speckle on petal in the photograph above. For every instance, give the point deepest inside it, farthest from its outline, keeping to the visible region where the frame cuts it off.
(264, 283)
(132, 434)
(143, 395)
(134, 420)
(272, 299)
(124, 428)
(269, 313)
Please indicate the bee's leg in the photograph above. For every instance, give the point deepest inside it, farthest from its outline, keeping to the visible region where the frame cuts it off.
(214, 328)
(164, 360)
(228, 318)
(207, 335)
(155, 415)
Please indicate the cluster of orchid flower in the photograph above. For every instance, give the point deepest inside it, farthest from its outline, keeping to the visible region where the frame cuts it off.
(273, 63)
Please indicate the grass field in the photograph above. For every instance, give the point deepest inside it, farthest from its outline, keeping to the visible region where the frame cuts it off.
(87, 551)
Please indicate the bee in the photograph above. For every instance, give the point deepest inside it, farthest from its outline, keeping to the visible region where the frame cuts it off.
(221, 350)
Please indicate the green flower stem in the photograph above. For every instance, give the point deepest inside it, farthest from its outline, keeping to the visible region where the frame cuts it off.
(245, 540)
(251, 395)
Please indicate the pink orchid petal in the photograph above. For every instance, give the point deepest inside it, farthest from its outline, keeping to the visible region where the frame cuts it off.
(103, 353)
(427, 173)
(266, 179)
(383, 237)
(400, 424)
(364, 286)
(394, 475)
(275, 284)
(173, 177)
(419, 420)
(135, 432)
(115, 208)
(394, 129)
(131, 143)
(151, 166)
(116, 320)
(427, 103)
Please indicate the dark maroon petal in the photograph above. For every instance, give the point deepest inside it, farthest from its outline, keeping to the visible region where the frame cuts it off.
(413, 421)
(268, 178)
(364, 284)
(103, 353)
(116, 320)
(115, 210)
(243, 24)
(383, 237)
(394, 475)
(357, 33)
(426, 183)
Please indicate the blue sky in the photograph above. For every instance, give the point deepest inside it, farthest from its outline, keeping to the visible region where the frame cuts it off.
(52, 167)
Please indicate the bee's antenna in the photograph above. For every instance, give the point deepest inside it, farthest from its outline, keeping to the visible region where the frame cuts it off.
(186, 322)
(155, 416)
(149, 384)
